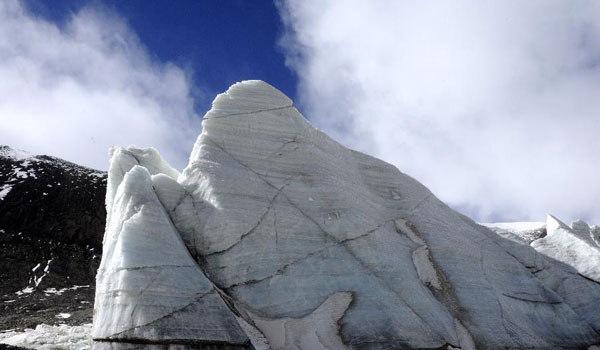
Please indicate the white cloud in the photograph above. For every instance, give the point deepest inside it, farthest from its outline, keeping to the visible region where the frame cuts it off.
(75, 90)
(495, 106)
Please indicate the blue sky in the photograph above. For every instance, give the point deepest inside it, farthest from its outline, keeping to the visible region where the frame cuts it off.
(218, 42)
(492, 105)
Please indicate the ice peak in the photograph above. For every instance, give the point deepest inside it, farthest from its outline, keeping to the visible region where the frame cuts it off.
(553, 224)
(124, 159)
(249, 96)
(247, 108)
(294, 228)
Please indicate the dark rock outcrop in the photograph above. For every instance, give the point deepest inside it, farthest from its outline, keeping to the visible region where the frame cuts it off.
(52, 220)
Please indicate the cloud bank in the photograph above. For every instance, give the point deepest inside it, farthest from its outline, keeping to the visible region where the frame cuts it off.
(495, 106)
(74, 91)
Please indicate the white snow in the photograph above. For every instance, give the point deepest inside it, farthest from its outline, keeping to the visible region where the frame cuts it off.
(61, 291)
(521, 232)
(4, 189)
(38, 280)
(564, 244)
(47, 337)
(575, 245)
(26, 290)
(63, 315)
(15, 154)
(19, 174)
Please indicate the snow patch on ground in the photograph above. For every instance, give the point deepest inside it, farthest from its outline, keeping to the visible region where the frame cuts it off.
(61, 291)
(18, 173)
(4, 189)
(48, 337)
(26, 290)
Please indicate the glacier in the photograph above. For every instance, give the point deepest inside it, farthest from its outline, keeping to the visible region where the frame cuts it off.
(275, 236)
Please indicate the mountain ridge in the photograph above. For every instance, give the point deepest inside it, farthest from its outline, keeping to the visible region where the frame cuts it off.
(52, 219)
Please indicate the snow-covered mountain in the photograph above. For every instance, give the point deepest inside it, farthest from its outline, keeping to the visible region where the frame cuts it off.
(276, 236)
(52, 219)
(577, 245)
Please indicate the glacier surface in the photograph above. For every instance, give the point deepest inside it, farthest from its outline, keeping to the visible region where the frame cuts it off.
(276, 236)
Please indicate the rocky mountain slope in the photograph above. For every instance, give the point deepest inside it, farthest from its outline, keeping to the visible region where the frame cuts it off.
(52, 220)
(276, 236)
